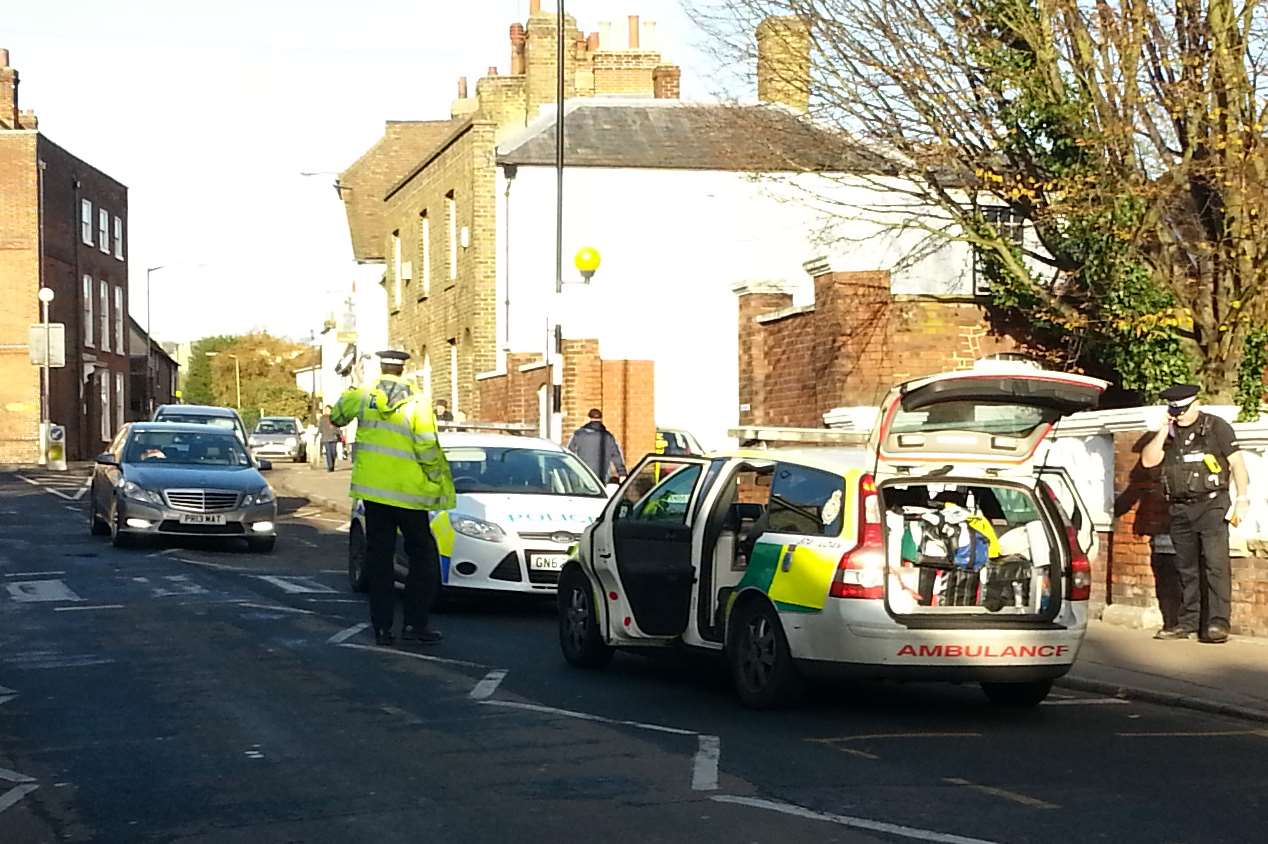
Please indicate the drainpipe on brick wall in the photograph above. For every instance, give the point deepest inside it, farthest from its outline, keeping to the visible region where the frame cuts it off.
(509, 171)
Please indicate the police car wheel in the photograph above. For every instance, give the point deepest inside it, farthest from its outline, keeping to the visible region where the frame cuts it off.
(356, 559)
(762, 668)
(579, 637)
(1020, 695)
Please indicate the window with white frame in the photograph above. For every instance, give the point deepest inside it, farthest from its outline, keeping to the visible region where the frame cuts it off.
(396, 268)
(1011, 227)
(103, 230)
(85, 221)
(424, 255)
(451, 220)
(103, 379)
(118, 320)
(89, 295)
(118, 237)
(118, 400)
(103, 316)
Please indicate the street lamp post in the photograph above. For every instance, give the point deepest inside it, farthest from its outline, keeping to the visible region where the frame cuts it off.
(46, 415)
(149, 345)
(237, 376)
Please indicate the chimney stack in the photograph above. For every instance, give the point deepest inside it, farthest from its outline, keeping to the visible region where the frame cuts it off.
(592, 42)
(783, 62)
(534, 7)
(10, 118)
(462, 87)
(666, 82)
(633, 32)
(517, 49)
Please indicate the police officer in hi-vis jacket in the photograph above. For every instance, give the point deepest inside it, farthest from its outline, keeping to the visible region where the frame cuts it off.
(1200, 460)
(401, 474)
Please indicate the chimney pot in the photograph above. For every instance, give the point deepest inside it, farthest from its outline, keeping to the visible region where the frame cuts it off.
(592, 42)
(493, 71)
(518, 40)
(462, 87)
(633, 32)
(534, 7)
(4, 57)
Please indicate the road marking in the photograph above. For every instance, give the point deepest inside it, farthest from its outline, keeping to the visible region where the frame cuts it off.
(35, 591)
(862, 754)
(166, 552)
(846, 820)
(93, 607)
(585, 716)
(14, 776)
(277, 607)
(704, 771)
(875, 736)
(6, 695)
(179, 585)
(216, 566)
(1032, 802)
(1198, 734)
(325, 601)
(296, 585)
(52, 659)
(15, 794)
(412, 655)
(334, 571)
(343, 528)
(33, 573)
(1088, 701)
(344, 635)
(486, 687)
(72, 509)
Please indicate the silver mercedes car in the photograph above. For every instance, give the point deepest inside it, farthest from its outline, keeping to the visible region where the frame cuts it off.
(173, 479)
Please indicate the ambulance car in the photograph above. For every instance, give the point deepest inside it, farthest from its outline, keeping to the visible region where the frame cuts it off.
(946, 548)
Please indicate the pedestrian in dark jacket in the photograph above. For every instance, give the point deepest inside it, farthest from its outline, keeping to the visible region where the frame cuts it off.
(597, 448)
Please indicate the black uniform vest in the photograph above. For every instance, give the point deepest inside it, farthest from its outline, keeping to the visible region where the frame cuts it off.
(1191, 467)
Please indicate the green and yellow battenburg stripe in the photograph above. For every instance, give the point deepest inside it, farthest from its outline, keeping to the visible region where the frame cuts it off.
(443, 532)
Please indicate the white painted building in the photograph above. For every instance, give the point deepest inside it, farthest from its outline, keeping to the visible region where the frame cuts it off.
(667, 193)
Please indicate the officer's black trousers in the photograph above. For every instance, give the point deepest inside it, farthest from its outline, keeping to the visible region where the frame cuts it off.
(1200, 536)
(422, 584)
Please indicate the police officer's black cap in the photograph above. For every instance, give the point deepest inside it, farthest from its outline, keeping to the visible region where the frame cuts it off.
(393, 356)
(1180, 393)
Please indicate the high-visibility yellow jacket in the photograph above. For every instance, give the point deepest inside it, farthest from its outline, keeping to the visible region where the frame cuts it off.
(396, 459)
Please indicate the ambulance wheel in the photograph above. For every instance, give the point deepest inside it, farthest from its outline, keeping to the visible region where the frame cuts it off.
(356, 559)
(579, 637)
(762, 667)
(96, 525)
(1017, 695)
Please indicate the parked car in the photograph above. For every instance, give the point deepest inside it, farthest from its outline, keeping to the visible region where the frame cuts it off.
(174, 479)
(202, 414)
(677, 441)
(279, 436)
(941, 550)
(522, 504)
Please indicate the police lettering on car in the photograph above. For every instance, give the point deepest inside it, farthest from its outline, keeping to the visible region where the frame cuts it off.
(1200, 458)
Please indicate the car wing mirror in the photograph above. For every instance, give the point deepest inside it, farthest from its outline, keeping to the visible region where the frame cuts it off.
(264, 465)
(107, 459)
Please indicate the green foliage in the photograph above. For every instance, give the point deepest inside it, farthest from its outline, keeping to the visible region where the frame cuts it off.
(196, 384)
(1250, 375)
(264, 368)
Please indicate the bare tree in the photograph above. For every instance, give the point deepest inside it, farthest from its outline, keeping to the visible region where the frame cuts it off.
(1129, 135)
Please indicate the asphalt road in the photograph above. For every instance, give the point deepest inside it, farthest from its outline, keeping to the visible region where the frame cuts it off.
(196, 693)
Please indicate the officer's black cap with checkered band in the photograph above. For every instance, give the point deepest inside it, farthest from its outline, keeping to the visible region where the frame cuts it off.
(393, 356)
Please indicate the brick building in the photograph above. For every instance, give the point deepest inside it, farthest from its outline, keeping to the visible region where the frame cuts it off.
(164, 374)
(63, 225)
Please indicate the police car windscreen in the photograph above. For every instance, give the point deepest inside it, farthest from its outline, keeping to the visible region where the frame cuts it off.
(522, 471)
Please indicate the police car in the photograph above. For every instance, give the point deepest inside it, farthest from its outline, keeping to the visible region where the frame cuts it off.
(522, 503)
(941, 546)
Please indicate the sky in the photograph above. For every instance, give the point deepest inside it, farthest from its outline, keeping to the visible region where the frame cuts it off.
(209, 113)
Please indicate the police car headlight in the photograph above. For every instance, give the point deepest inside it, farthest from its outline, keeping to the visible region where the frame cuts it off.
(477, 528)
(133, 490)
(264, 496)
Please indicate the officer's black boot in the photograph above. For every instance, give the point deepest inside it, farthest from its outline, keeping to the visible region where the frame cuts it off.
(1216, 633)
(384, 637)
(1176, 632)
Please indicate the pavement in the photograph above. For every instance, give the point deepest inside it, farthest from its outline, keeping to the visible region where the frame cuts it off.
(198, 692)
(1231, 678)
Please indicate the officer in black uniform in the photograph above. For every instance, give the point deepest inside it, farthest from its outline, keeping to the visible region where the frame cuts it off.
(1199, 456)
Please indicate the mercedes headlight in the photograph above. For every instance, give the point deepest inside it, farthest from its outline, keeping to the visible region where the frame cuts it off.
(264, 496)
(477, 528)
(133, 490)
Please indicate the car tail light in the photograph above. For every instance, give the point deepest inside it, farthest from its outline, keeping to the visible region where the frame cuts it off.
(861, 572)
(1079, 585)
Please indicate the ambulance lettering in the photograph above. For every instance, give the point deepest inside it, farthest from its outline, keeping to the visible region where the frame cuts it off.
(985, 651)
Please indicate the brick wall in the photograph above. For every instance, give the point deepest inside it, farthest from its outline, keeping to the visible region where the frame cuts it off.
(513, 396)
(19, 272)
(850, 347)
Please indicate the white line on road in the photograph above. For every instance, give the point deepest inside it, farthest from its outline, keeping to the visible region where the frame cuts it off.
(34, 573)
(585, 716)
(1198, 734)
(296, 585)
(35, 591)
(15, 794)
(216, 566)
(704, 772)
(71, 509)
(28, 480)
(277, 607)
(93, 607)
(846, 820)
(7, 695)
(895, 736)
(1087, 701)
(1032, 802)
(14, 776)
(486, 687)
(344, 635)
(412, 655)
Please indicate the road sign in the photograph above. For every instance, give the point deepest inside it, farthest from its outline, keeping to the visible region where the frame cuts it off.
(56, 334)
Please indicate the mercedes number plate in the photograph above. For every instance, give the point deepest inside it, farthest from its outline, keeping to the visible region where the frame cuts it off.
(202, 519)
(546, 562)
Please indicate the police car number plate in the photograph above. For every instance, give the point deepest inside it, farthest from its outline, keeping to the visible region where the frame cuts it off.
(202, 519)
(547, 562)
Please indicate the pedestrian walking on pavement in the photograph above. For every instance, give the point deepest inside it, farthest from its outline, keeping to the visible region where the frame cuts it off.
(330, 436)
(401, 474)
(442, 412)
(597, 448)
(1199, 456)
